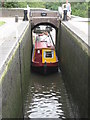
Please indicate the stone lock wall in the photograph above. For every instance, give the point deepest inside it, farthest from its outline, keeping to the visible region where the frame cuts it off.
(74, 56)
(15, 77)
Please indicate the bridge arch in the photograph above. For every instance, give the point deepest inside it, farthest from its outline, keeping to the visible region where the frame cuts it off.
(44, 23)
(45, 17)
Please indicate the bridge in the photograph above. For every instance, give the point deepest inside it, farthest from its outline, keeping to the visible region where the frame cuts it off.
(44, 16)
(15, 60)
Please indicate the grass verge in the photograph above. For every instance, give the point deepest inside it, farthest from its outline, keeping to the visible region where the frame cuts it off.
(2, 22)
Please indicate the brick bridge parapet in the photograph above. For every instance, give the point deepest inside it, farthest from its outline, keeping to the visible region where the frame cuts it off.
(44, 16)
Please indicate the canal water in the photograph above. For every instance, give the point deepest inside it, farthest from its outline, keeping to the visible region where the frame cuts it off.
(47, 97)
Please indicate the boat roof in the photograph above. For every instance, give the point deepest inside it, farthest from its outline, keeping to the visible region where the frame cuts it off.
(43, 41)
(41, 45)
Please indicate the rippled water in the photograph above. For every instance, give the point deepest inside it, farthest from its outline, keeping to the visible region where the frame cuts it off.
(47, 98)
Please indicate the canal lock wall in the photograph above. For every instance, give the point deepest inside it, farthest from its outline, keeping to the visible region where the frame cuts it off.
(74, 56)
(14, 76)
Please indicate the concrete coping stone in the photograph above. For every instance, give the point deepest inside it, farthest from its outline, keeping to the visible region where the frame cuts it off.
(79, 32)
(10, 42)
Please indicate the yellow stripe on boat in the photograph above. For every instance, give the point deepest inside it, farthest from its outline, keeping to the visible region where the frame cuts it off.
(48, 60)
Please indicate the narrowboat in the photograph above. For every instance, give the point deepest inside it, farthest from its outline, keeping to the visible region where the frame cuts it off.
(44, 57)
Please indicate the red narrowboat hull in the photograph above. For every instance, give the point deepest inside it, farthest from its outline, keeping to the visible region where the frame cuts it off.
(45, 67)
(37, 64)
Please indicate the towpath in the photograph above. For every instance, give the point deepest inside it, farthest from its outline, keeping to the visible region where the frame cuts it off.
(10, 33)
(80, 26)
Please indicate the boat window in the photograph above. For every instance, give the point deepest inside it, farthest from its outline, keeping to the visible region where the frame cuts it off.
(48, 54)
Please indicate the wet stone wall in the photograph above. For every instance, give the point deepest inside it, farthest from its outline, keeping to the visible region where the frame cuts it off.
(74, 58)
(15, 77)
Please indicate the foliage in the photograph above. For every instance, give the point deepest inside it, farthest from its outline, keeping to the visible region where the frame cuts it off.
(22, 4)
(36, 4)
(80, 9)
(31, 4)
(52, 5)
(89, 9)
(10, 4)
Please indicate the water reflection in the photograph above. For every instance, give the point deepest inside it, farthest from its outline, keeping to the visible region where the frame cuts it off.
(45, 97)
